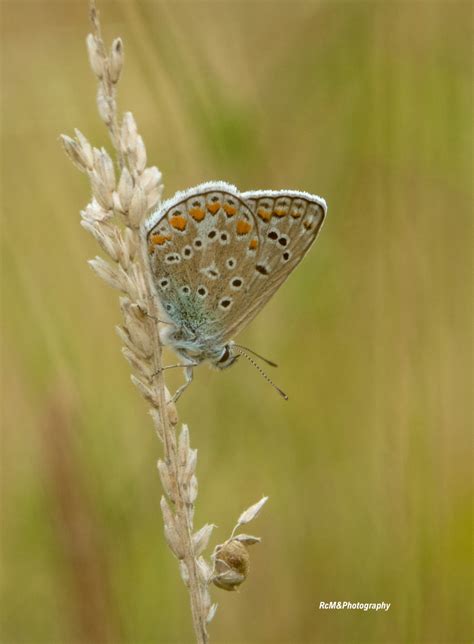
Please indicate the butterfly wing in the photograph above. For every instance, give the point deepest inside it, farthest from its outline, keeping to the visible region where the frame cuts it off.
(288, 223)
(217, 256)
(201, 244)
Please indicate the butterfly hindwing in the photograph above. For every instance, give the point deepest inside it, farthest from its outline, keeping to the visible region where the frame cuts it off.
(288, 223)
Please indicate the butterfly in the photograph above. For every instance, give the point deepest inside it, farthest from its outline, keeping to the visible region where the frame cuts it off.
(217, 256)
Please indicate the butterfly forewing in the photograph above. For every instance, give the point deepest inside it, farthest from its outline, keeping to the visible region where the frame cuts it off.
(217, 256)
(203, 246)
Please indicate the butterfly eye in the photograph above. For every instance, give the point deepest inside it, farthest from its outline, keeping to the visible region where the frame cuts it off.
(286, 255)
(225, 355)
(202, 291)
(283, 241)
(187, 252)
(272, 234)
(185, 290)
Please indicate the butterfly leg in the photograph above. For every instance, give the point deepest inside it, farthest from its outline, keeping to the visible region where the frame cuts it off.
(150, 316)
(188, 373)
(175, 366)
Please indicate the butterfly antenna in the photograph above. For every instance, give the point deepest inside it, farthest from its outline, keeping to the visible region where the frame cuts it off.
(272, 364)
(260, 370)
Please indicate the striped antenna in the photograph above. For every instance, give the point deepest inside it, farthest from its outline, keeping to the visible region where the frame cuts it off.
(260, 370)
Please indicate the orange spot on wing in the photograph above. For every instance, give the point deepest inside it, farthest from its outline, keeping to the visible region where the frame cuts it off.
(243, 227)
(264, 214)
(295, 213)
(229, 209)
(178, 222)
(197, 214)
(280, 211)
(253, 244)
(213, 206)
(159, 240)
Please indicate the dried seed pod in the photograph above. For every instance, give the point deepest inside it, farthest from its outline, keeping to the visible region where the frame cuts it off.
(107, 272)
(93, 213)
(96, 58)
(171, 530)
(73, 151)
(211, 613)
(183, 444)
(138, 207)
(247, 539)
(125, 189)
(250, 513)
(167, 480)
(79, 150)
(184, 572)
(105, 168)
(140, 154)
(104, 236)
(191, 491)
(155, 414)
(104, 106)
(131, 243)
(204, 570)
(171, 408)
(116, 60)
(129, 131)
(85, 149)
(100, 191)
(150, 179)
(136, 331)
(154, 197)
(201, 538)
(189, 467)
(232, 565)
(146, 391)
(142, 366)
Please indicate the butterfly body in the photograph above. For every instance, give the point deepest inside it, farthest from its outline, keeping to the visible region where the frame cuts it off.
(194, 343)
(218, 255)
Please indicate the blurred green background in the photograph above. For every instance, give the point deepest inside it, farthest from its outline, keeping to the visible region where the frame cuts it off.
(368, 469)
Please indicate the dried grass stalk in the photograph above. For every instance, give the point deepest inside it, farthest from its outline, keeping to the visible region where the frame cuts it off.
(121, 200)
